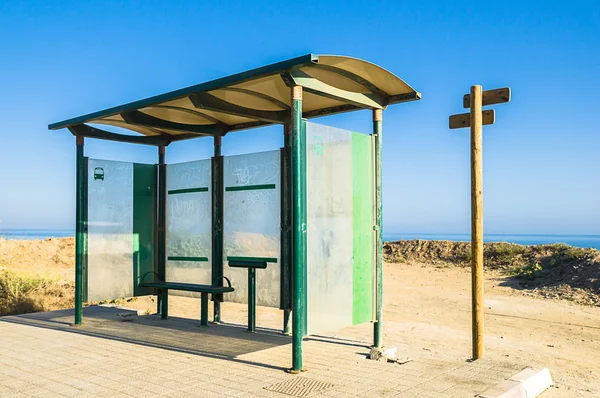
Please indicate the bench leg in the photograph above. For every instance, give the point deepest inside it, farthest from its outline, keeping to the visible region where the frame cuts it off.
(164, 300)
(251, 299)
(204, 309)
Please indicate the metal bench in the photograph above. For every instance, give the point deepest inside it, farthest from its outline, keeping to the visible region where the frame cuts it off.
(204, 291)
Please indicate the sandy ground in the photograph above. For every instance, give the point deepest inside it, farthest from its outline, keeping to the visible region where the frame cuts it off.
(51, 257)
(430, 307)
(433, 305)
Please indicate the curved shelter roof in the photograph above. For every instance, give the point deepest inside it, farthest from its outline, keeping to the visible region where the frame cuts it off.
(331, 84)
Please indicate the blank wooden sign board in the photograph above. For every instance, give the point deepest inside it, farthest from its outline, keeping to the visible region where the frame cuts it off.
(490, 97)
(475, 119)
(464, 119)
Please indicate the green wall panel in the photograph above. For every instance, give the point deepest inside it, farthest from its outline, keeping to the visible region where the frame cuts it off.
(144, 196)
(362, 223)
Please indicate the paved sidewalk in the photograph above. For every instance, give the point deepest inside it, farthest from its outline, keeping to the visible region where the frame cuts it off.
(119, 354)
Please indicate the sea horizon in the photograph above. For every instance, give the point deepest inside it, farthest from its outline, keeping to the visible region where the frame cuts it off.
(578, 240)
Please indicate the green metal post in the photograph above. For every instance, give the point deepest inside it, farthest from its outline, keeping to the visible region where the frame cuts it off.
(251, 299)
(85, 229)
(378, 325)
(204, 309)
(299, 229)
(217, 226)
(163, 297)
(286, 236)
(79, 230)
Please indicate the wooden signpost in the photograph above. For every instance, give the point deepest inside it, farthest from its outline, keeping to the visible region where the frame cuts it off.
(475, 119)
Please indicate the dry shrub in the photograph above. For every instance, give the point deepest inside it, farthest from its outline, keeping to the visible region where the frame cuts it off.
(22, 293)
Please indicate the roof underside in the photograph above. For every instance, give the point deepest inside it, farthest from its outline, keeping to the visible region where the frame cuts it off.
(259, 97)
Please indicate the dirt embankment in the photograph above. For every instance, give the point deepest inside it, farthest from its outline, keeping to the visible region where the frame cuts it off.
(36, 275)
(552, 271)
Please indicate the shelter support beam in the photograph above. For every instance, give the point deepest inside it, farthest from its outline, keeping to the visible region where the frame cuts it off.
(296, 77)
(79, 231)
(143, 119)
(286, 229)
(84, 130)
(212, 103)
(377, 135)
(260, 95)
(477, 220)
(299, 227)
(217, 226)
(163, 294)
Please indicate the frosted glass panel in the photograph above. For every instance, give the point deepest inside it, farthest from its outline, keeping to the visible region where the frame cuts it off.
(252, 223)
(330, 228)
(110, 230)
(189, 247)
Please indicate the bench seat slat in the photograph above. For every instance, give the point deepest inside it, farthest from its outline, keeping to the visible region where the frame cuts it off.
(188, 287)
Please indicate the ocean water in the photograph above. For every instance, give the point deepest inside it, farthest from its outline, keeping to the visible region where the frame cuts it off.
(522, 239)
(585, 241)
(32, 234)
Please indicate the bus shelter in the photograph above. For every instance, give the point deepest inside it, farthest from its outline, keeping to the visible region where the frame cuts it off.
(298, 228)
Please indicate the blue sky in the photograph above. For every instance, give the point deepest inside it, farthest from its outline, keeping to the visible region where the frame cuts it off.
(61, 59)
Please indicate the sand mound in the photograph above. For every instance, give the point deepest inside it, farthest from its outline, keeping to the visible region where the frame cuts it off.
(553, 271)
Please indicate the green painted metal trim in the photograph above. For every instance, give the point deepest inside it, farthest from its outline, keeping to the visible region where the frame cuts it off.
(188, 287)
(85, 229)
(162, 240)
(250, 187)
(142, 119)
(211, 103)
(156, 236)
(285, 238)
(217, 227)
(185, 258)
(144, 194)
(263, 259)
(185, 92)
(251, 300)
(248, 264)
(93, 132)
(299, 234)
(362, 226)
(204, 309)
(378, 325)
(305, 235)
(187, 190)
(79, 233)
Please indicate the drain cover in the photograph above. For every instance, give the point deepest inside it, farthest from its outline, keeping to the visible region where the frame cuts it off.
(300, 387)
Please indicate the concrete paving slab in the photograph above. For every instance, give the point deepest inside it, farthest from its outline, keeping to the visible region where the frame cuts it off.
(118, 354)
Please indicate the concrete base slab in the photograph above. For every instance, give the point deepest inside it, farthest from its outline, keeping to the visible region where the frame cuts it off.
(117, 355)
